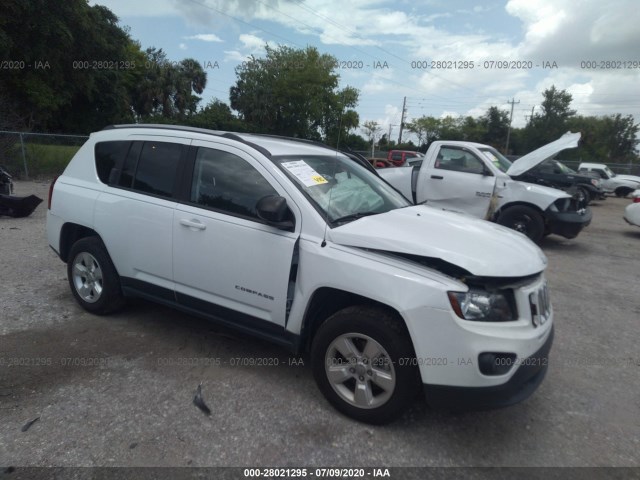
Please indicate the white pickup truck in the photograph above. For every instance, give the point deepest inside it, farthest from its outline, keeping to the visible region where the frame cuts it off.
(619, 185)
(475, 179)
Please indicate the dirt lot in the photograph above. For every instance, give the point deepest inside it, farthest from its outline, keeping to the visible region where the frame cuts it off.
(117, 391)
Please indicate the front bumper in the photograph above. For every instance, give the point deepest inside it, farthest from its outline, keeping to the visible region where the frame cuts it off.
(518, 388)
(567, 224)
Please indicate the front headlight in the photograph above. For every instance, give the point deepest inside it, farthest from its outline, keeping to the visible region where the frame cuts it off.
(482, 306)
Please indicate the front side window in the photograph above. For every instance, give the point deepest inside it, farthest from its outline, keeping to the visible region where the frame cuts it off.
(339, 188)
(157, 168)
(498, 160)
(547, 167)
(225, 182)
(458, 160)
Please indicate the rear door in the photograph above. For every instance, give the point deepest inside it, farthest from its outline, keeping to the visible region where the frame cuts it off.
(226, 261)
(134, 214)
(456, 180)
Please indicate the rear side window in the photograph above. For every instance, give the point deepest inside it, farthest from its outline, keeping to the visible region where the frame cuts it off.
(109, 156)
(227, 183)
(157, 168)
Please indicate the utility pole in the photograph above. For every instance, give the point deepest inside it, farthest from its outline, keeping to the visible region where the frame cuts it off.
(512, 102)
(404, 111)
(389, 135)
(529, 118)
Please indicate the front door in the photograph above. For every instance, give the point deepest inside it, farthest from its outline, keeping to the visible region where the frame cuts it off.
(226, 261)
(456, 181)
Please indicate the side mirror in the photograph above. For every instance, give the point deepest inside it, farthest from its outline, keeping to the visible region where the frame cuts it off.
(486, 172)
(274, 211)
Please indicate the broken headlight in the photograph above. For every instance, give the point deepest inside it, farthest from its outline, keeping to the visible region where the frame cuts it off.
(482, 306)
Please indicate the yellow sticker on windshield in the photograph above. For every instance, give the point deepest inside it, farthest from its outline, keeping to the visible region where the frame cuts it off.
(319, 179)
(303, 172)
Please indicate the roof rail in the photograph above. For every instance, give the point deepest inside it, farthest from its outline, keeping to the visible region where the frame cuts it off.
(182, 128)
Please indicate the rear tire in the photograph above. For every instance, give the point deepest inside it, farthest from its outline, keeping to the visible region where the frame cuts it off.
(93, 279)
(525, 220)
(362, 362)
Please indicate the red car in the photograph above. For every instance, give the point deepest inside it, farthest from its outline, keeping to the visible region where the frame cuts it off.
(399, 157)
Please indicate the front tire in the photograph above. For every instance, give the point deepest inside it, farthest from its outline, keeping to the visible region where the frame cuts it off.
(362, 362)
(525, 220)
(93, 279)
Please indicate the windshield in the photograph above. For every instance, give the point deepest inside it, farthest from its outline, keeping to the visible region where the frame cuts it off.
(339, 188)
(609, 172)
(563, 168)
(501, 162)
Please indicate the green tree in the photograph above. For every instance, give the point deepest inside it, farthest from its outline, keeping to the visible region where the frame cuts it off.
(551, 123)
(610, 138)
(451, 128)
(294, 92)
(66, 83)
(427, 129)
(82, 71)
(216, 115)
(354, 141)
(167, 89)
(494, 125)
(371, 129)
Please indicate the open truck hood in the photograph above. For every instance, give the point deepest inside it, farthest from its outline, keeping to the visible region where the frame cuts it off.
(550, 150)
(477, 246)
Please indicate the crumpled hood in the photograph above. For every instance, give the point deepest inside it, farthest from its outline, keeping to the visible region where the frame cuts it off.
(478, 246)
(550, 150)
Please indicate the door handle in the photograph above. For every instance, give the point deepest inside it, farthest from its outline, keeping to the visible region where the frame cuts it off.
(437, 177)
(193, 224)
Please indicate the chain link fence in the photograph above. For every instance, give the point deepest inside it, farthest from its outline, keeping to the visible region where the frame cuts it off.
(43, 155)
(37, 155)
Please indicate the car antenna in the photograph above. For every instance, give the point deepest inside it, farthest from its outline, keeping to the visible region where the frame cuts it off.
(335, 167)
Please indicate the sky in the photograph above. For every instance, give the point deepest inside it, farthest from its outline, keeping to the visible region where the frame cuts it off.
(419, 49)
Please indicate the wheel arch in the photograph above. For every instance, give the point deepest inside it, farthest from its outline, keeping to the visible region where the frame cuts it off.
(70, 234)
(326, 301)
(518, 203)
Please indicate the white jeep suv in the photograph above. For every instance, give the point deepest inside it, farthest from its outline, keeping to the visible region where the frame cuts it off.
(307, 247)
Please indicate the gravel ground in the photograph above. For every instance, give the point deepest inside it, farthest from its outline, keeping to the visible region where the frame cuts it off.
(116, 391)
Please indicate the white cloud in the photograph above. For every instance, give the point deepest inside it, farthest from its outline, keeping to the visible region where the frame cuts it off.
(182, 46)
(234, 56)
(205, 37)
(569, 32)
(250, 44)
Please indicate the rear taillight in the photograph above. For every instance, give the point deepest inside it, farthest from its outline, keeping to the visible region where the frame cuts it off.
(636, 199)
(51, 192)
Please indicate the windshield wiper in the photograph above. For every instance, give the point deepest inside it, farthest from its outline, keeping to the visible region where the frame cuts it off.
(353, 216)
